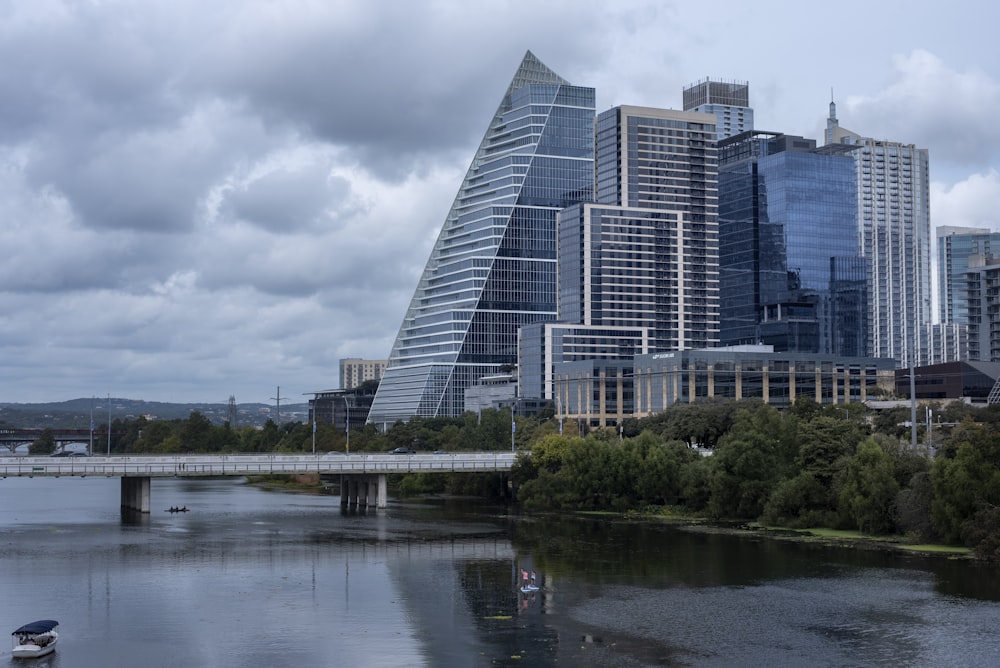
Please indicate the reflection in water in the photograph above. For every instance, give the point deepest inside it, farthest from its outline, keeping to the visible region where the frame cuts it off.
(251, 578)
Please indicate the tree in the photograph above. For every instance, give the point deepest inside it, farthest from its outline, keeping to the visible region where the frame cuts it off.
(913, 507)
(982, 532)
(45, 444)
(196, 433)
(659, 468)
(800, 502)
(868, 489)
(966, 482)
(750, 461)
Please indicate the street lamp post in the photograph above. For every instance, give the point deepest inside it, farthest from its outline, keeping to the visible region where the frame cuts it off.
(559, 411)
(92, 426)
(347, 422)
(513, 424)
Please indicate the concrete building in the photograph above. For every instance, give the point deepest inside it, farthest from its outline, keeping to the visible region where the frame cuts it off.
(645, 254)
(945, 342)
(491, 392)
(601, 393)
(354, 371)
(982, 297)
(638, 269)
(728, 101)
(544, 346)
(955, 245)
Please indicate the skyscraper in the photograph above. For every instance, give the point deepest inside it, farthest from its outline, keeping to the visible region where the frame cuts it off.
(646, 254)
(728, 101)
(955, 245)
(894, 234)
(791, 273)
(493, 266)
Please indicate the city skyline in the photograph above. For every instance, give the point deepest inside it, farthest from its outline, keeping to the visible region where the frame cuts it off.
(197, 206)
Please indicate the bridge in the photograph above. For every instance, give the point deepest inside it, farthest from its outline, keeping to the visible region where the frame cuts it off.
(362, 475)
(12, 437)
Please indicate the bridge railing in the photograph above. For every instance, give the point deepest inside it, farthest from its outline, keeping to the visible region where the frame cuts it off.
(259, 464)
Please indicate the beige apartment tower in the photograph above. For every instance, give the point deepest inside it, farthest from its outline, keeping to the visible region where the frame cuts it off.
(354, 371)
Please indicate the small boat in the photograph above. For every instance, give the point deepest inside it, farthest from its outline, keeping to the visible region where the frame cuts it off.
(175, 509)
(35, 639)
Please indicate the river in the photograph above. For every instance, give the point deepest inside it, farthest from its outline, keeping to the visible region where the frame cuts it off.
(253, 578)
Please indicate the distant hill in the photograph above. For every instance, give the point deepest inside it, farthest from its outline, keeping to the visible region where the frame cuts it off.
(76, 413)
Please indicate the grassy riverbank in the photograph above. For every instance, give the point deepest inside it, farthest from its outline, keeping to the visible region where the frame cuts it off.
(816, 535)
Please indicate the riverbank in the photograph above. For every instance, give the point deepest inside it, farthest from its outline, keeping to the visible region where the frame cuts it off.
(311, 484)
(815, 535)
(836, 538)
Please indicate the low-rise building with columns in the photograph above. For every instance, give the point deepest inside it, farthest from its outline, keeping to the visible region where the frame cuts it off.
(602, 393)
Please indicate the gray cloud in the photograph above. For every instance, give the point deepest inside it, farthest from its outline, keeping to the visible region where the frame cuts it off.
(937, 107)
(217, 198)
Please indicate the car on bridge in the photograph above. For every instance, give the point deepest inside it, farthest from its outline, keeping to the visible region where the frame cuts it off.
(69, 453)
(403, 451)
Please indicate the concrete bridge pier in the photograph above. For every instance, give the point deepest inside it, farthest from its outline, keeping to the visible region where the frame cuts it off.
(364, 490)
(135, 494)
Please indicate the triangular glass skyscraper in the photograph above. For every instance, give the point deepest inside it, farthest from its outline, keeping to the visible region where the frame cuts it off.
(493, 266)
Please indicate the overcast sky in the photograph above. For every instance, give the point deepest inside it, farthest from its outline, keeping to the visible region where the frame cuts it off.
(205, 199)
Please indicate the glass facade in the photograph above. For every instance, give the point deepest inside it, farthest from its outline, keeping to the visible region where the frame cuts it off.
(493, 266)
(955, 245)
(894, 232)
(776, 378)
(791, 274)
(602, 393)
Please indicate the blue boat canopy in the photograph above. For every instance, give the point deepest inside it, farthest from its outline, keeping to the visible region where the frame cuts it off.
(41, 626)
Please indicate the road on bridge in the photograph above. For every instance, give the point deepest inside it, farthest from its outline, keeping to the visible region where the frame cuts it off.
(259, 464)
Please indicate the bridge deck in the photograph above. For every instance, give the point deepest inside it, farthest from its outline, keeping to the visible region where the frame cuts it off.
(260, 464)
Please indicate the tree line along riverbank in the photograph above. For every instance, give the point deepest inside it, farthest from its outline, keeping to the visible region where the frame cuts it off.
(809, 467)
(838, 467)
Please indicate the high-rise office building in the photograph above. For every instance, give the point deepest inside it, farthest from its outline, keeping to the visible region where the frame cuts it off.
(638, 268)
(728, 101)
(493, 266)
(646, 253)
(955, 245)
(791, 274)
(894, 233)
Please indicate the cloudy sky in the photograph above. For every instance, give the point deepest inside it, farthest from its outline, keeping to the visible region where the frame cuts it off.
(200, 200)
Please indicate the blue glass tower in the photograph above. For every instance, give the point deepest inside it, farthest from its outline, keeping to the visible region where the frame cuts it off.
(493, 267)
(791, 273)
(892, 181)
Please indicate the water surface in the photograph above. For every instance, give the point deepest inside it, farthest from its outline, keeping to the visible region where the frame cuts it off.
(254, 578)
